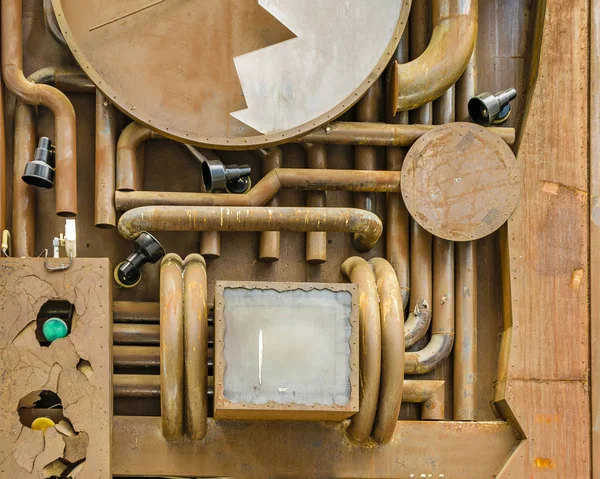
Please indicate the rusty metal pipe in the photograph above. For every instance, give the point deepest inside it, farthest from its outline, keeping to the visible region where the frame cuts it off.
(382, 134)
(24, 196)
(171, 347)
(130, 165)
(268, 187)
(52, 24)
(358, 271)
(140, 334)
(144, 386)
(367, 227)
(136, 312)
(397, 236)
(3, 199)
(270, 241)
(420, 36)
(452, 42)
(392, 350)
(465, 354)
(365, 157)
(37, 94)
(145, 357)
(442, 325)
(105, 215)
(195, 320)
(316, 241)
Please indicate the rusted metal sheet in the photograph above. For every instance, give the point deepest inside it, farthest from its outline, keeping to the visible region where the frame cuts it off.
(216, 96)
(84, 390)
(460, 182)
(287, 407)
(311, 449)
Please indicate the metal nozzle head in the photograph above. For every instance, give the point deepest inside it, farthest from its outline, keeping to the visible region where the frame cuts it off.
(39, 172)
(486, 109)
(219, 177)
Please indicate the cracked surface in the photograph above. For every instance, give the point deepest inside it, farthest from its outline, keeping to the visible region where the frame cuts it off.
(25, 366)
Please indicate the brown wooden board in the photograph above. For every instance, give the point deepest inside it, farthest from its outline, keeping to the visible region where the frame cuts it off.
(26, 366)
(543, 373)
(312, 449)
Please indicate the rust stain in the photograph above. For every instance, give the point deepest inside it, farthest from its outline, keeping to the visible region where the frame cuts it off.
(556, 189)
(547, 418)
(576, 278)
(544, 463)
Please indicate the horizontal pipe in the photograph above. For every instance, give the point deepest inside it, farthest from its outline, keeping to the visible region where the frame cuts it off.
(50, 97)
(426, 78)
(382, 134)
(366, 226)
(136, 312)
(144, 356)
(140, 334)
(268, 187)
(143, 385)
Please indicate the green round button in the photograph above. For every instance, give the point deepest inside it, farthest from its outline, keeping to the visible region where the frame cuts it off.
(55, 328)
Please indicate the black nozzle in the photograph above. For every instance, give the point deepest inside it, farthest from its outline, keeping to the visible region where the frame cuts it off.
(219, 177)
(39, 172)
(147, 249)
(486, 108)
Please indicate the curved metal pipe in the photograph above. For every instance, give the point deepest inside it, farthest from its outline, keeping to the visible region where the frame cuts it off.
(452, 42)
(316, 241)
(358, 271)
(105, 215)
(367, 227)
(270, 241)
(430, 394)
(171, 347)
(195, 319)
(52, 24)
(442, 326)
(268, 187)
(392, 350)
(52, 98)
(130, 166)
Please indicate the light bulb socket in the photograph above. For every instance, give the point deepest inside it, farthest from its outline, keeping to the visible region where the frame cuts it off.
(147, 249)
(487, 109)
(219, 177)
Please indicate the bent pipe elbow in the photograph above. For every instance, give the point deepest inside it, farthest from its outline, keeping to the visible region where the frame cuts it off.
(128, 163)
(426, 78)
(366, 226)
(417, 324)
(429, 358)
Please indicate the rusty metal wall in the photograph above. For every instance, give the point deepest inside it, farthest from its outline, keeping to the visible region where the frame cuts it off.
(502, 44)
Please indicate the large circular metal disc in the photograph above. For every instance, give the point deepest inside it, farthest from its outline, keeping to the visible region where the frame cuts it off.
(460, 181)
(233, 73)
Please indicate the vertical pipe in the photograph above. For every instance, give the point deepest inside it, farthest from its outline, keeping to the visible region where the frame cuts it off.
(365, 157)
(397, 236)
(3, 209)
(171, 347)
(316, 241)
(420, 240)
(106, 145)
(24, 196)
(269, 244)
(465, 353)
(210, 244)
(196, 345)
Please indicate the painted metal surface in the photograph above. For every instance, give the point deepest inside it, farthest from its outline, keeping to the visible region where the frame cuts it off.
(273, 69)
(460, 182)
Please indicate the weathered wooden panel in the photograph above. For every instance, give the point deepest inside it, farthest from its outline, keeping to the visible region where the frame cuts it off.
(26, 366)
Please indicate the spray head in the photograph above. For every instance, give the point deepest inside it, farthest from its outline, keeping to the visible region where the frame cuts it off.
(220, 177)
(39, 172)
(147, 249)
(486, 109)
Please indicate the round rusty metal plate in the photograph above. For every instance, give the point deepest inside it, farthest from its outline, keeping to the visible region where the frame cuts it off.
(460, 181)
(233, 74)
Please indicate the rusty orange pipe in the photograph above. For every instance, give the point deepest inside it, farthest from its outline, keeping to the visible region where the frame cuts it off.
(105, 215)
(392, 350)
(442, 325)
(38, 94)
(130, 166)
(134, 356)
(3, 199)
(358, 271)
(171, 347)
(427, 77)
(365, 157)
(316, 241)
(431, 395)
(270, 241)
(397, 236)
(366, 226)
(268, 187)
(139, 333)
(195, 320)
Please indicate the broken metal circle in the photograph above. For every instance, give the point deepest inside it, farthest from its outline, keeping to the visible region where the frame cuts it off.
(233, 74)
(461, 182)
